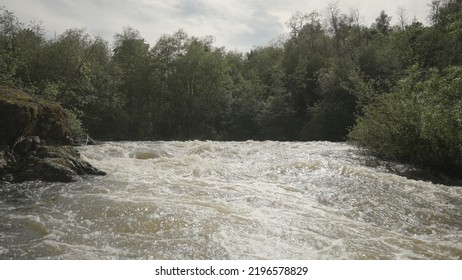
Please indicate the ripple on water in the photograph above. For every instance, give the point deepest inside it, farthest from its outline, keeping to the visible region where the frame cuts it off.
(232, 200)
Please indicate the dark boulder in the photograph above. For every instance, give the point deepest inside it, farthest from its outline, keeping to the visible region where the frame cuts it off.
(30, 132)
(22, 115)
(45, 163)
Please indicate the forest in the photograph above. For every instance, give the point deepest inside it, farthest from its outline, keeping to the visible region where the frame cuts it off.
(393, 89)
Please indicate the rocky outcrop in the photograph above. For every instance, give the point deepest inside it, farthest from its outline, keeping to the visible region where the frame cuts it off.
(22, 115)
(31, 131)
(30, 161)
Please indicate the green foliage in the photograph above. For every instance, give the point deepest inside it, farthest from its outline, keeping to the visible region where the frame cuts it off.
(75, 127)
(9, 26)
(420, 122)
(325, 76)
(382, 23)
(193, 87)
(331, 117)
(440, 44)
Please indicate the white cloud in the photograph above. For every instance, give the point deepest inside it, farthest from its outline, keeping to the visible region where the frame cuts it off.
(236, 24)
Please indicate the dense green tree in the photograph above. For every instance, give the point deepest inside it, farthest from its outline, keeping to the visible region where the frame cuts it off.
(417, 118)
(440, 45)
(305, 54)
(420, 122)
(399, 84)
(108, 102)
(276, 115)
(29, 44)
(171, 104)
(332, 116)
(9, 62)
(194, 84)
(245, 105)
(382, 23)
(69, 53)
(133, 69)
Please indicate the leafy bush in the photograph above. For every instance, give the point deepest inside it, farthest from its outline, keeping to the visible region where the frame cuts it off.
(76, 130)
(420, 122)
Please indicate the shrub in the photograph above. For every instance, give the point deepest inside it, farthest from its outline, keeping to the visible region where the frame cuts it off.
(420, 122)
(76, 130)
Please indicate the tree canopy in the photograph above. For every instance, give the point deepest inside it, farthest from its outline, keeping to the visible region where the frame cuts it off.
(327, 77)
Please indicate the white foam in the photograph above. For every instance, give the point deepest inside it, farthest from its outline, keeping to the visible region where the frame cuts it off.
(239, 200)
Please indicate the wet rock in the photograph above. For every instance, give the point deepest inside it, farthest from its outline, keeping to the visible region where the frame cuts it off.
(26, 125)
(22, 115)
(45, 163)
(25, 145)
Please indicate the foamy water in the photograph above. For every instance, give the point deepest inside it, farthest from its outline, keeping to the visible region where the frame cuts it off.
(231, 200)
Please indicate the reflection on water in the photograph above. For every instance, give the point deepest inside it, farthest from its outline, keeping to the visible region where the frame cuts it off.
(232, 200)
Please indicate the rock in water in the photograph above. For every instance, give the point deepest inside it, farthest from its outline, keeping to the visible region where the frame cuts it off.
(22, 115)
(26, 123)
(45, 163)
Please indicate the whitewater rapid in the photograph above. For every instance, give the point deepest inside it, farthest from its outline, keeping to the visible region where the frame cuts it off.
(231, 200)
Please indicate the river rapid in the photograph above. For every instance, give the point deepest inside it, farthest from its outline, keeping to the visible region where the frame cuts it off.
(232, 200)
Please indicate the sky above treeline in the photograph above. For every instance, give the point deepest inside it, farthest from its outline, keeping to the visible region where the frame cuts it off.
(236, 24)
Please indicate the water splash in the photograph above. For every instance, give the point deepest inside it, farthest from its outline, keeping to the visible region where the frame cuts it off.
(231, 200)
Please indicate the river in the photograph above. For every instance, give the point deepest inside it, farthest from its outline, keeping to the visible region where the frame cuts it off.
(232, 200)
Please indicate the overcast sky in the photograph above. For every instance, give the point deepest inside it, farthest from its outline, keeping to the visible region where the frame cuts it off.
(236, 24)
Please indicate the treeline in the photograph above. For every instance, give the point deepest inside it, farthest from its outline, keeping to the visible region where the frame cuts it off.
(419, 119)
(399, 84)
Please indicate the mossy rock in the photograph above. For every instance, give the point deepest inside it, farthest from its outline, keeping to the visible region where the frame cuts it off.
(23, 115)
